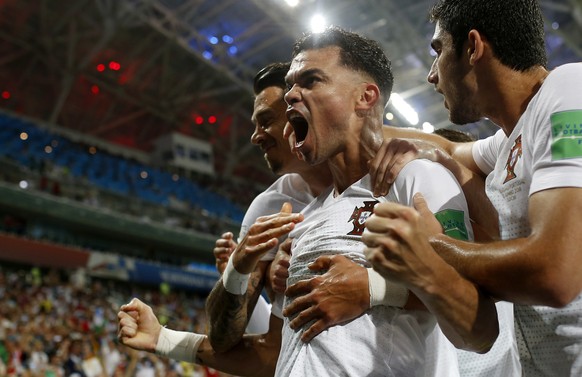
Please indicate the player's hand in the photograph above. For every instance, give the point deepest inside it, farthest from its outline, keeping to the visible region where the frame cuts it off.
(223, 248)
(138, 327)
(339, 295)
(392, 156)
(397, 243)
(263, 236)
(279, 271)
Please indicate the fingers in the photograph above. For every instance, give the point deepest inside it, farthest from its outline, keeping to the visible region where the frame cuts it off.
(224, 246)
(280, 270)
(134, 305)
(314, 330)
(271, 227)
(279, 282)
(379, 169)
(421, 205)
(302, 312)
(286, 208)
(302, 287)
(390, 159)
(321, 263)
(127, 325)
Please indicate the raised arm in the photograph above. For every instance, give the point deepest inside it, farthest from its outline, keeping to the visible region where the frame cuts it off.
(397, 246)
(254, 355)
(541, 269)
(234, 296)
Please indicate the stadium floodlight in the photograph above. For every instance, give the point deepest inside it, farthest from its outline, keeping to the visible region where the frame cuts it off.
(318, 23)
(427, 127)
(404, 109)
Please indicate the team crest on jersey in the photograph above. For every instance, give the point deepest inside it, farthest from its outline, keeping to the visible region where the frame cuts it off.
(359, 217)
(514, 156)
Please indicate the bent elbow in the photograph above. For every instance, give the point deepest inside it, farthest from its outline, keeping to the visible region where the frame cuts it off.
(560, 290)
(219, 343)
(560, 298)
(479, 340)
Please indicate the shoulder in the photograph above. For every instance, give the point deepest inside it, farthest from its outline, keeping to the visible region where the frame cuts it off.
(564, 79)
(421, 168)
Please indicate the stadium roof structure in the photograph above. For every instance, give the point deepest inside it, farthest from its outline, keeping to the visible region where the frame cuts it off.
(129, 71)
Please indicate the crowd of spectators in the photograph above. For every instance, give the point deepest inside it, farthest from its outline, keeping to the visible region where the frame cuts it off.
(57, 323)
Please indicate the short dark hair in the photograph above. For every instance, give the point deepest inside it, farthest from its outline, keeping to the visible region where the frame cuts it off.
(357, 52)
(271, 75)
(515, 28)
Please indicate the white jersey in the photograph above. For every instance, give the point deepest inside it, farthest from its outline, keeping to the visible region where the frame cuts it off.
(502, 360)
(544, 151)
(384, 341)
(287, 188)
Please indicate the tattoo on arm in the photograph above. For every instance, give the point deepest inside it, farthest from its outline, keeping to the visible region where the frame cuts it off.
(228, 314)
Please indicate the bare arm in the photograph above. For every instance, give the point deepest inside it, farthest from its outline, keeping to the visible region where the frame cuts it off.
(541, 269)
(223, 248)
(397, 246)
(228, 313)
(394, 154)
(254, 355)
(340, 294)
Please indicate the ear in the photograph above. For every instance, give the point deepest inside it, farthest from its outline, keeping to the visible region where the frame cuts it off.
(369, 96)
(476, 47)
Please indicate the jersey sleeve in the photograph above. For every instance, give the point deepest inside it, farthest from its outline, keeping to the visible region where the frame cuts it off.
(485, 151)
(264, 204)
(442, 193)
(556, 136)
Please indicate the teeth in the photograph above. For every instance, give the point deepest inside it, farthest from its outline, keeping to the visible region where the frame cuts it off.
(295, 116)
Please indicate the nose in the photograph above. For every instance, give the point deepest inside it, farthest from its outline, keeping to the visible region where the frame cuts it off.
(433, 76)
(258, 135)
(293, 95)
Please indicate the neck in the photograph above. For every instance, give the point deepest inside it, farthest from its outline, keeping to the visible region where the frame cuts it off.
(318, 178)
(510, 94)
(351, 165)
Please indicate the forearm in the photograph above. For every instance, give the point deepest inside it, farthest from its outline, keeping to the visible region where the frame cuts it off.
(510, 270)
(466, 316)
(228, 313)
(254, 355)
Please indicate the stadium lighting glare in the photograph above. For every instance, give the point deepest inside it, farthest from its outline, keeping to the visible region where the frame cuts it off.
(292, 3)
(318, 23)
(427, 127)
(404, 109)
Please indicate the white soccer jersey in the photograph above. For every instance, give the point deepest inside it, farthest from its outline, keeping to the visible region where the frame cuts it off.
(384, 341)
(288, 188)
(502, 360)
(544, 151)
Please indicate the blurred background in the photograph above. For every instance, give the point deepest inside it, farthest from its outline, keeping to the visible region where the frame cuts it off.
(124, 154)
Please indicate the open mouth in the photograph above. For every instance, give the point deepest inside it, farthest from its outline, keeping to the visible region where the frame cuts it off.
(301, 127)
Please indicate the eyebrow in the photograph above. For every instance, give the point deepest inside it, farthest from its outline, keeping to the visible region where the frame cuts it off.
(303, 74)
(262, 114)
